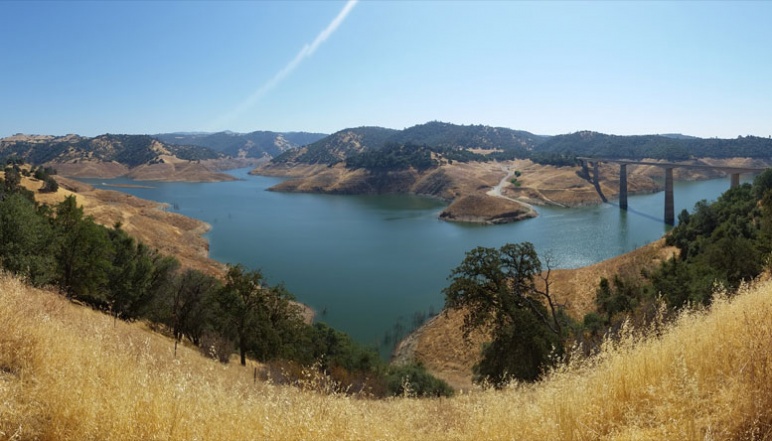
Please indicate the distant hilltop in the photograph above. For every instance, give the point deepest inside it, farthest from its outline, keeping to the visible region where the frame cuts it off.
(109, 156)
(480, 142)
(169, 157)
(139, 156)
(243, 145)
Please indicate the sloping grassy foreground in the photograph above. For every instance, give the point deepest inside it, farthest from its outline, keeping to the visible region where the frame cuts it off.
(67, 372)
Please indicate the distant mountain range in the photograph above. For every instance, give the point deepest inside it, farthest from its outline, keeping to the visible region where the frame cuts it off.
(344, 144)
(669, 147)
(461, 142)
(243, 145)
(488, 143)
(129, 150)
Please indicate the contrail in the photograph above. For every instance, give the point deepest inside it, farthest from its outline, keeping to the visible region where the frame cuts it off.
(304, 53)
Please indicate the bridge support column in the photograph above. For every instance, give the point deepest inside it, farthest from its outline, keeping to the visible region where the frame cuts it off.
(623, 186)
(585, 171)
(735, 180)
(596, 172)
(669, 207)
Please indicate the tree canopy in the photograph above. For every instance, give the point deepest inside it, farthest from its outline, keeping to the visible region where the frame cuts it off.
(497, 290)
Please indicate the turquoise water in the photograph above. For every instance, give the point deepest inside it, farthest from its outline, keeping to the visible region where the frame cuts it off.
(367, 264)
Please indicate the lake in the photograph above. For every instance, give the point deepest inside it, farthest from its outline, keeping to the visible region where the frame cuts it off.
(373, 266)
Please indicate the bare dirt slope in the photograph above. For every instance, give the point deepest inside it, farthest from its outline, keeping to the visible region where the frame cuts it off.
(439, 343)
(171, 170)
(176, 170)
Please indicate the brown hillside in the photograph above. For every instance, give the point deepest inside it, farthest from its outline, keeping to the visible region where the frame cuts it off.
(172, 170)
(70, 373)
(171, 233)
(440, 346)
(539, 184)
(176, 170)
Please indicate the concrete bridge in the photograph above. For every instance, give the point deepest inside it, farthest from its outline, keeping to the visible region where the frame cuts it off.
(586, 162)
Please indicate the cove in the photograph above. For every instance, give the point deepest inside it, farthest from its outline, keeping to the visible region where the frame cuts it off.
(372, 266)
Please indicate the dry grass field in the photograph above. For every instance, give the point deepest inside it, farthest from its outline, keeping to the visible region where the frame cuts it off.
(69, 373)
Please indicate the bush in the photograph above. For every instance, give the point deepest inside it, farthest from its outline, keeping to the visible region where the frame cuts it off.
(413, 380)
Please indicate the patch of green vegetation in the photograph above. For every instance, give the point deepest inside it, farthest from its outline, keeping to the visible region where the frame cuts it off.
(720, 245)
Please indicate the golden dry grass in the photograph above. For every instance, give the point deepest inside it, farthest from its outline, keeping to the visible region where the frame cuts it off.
(67, 372)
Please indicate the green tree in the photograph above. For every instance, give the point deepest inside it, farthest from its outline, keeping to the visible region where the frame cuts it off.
(762, 184)
(49, 185)
(84, 254)
(137, 275)
(189, 305)
(259, 318)
(497, 290)
(26, 240)
(12, 180)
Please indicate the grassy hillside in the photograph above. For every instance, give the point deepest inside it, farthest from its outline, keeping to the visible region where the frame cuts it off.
(67, 372)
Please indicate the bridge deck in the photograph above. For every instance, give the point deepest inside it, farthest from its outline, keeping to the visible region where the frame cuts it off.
(668, 166)
(676, 165)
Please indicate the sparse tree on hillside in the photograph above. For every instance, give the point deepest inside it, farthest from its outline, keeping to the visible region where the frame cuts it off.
(49, 185)
(239, 301)
(26, 240)
(137, 275)
(258, 317)
(497, 290)
(84, 253)
(12, 180)
(189, 305)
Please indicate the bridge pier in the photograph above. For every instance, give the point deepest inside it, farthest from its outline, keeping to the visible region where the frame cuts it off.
(735, 180)
(669, 206)
(586, 162)
(585, 171)
(623, 186)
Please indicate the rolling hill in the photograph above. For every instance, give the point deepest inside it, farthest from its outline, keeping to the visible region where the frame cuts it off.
(435, 135)
(257, 144)
(483, 143)
(109, 155)
(667, 147)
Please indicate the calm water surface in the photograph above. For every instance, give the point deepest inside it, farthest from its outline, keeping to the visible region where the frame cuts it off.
(367, 264)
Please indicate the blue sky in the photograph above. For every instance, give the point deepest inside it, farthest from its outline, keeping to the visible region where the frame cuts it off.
(699, 68)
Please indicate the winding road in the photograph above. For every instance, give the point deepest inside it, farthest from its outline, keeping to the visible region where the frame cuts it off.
(496, 191)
